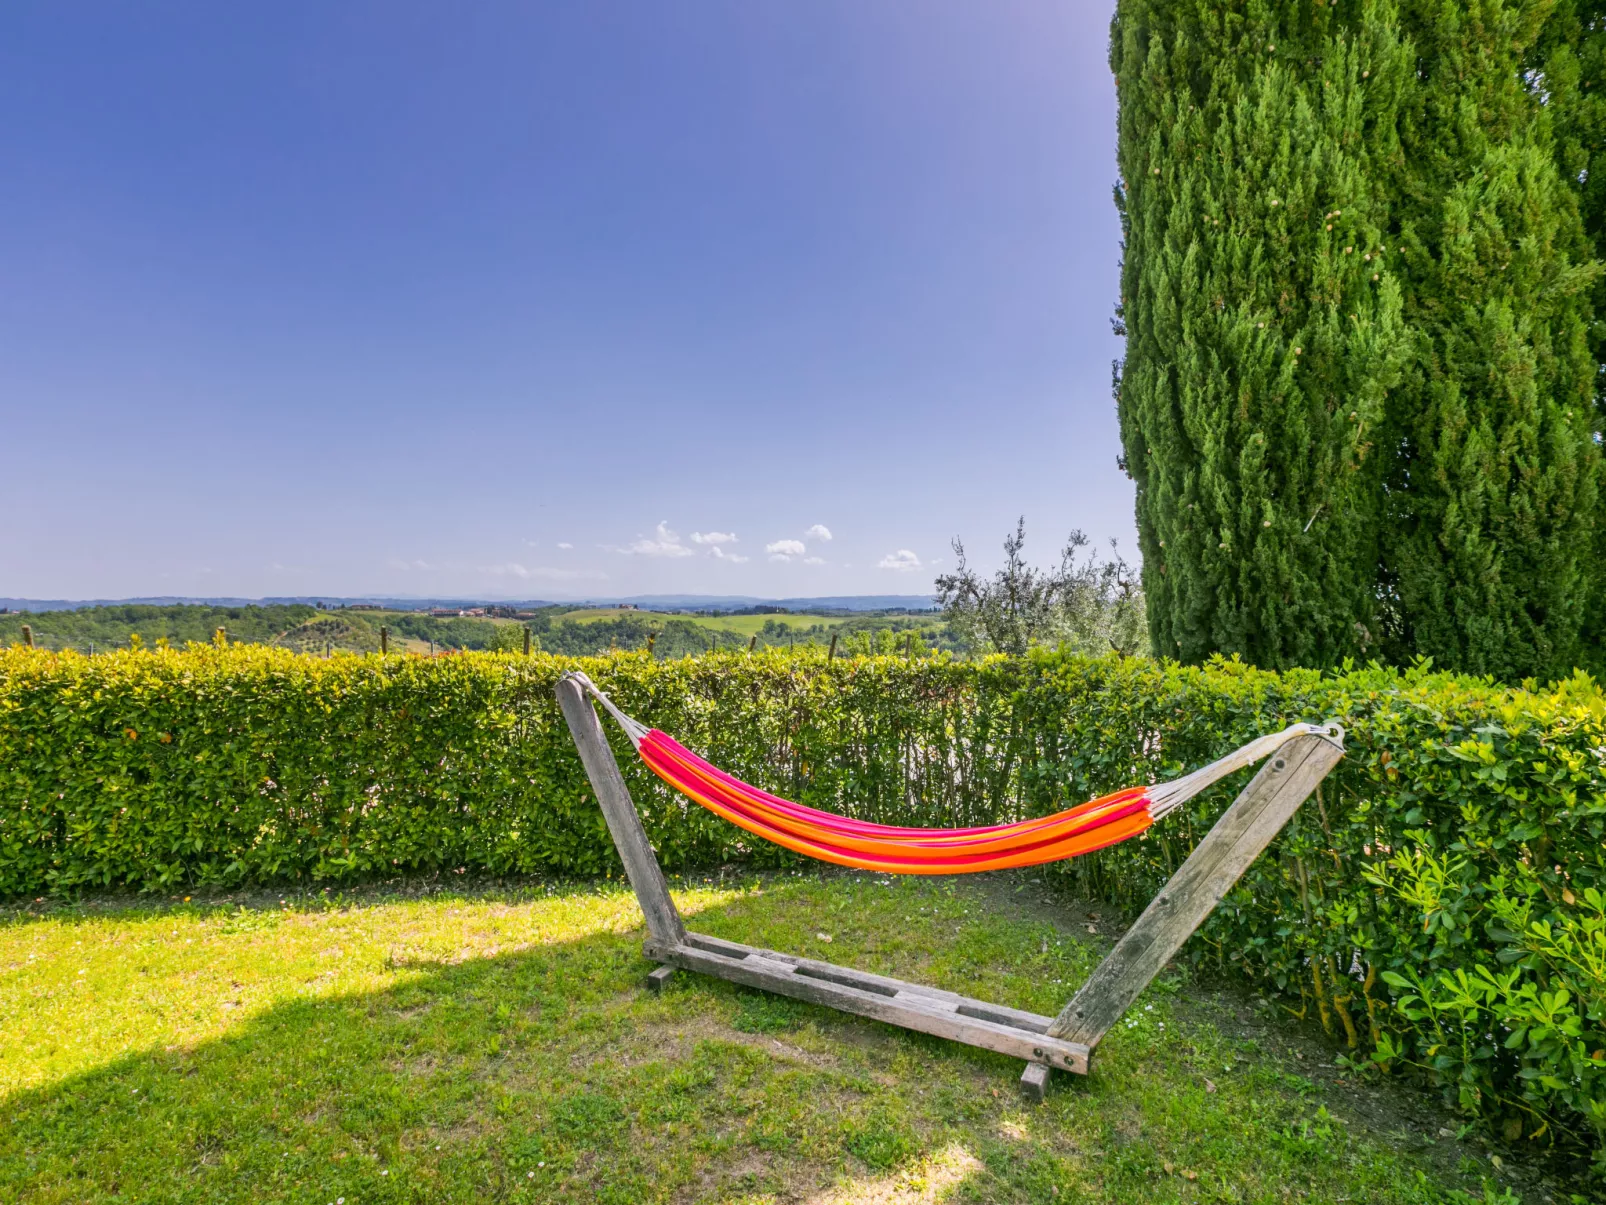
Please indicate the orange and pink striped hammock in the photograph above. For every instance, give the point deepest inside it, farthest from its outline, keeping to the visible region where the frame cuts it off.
(845, 841)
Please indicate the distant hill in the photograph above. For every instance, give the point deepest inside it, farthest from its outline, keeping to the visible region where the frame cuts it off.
(673, 631)
(718, 602)
(655, 602)
(307, 600)
(329, 631)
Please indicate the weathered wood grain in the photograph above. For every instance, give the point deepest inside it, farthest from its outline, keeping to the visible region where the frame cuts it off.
(881, 984)
(663, 920)
(944, 1014)
(658, 976)
(1236, 840)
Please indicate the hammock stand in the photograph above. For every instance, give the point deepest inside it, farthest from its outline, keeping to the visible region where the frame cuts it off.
(1298, 759)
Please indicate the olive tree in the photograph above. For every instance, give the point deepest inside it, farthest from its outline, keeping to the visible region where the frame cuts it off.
(1083, 602)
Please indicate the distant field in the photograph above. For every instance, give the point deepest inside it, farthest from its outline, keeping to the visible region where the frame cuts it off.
(375, 615)
(746, 625)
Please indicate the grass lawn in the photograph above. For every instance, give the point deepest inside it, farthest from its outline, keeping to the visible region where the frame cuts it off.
(493, 1042)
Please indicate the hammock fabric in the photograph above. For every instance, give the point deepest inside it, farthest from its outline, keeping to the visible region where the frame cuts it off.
(848, 842)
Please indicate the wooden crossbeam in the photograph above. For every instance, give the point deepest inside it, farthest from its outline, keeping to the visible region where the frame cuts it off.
(1216, 863)
(909, 1005)
(1065, 1042)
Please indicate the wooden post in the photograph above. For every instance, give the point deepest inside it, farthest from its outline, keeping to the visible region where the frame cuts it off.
(752, 642)
(663, 921)
(27, 635)
(1034, 1082)
(831, 652)
(1216, 863)
(526, 640)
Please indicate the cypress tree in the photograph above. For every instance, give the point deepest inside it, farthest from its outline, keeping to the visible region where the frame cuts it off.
(1568, 65)
(1357, 399)
(1263, 319)
(1492, 488)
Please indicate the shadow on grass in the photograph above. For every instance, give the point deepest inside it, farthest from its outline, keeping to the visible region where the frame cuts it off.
(537, 1075)
(548, 1074)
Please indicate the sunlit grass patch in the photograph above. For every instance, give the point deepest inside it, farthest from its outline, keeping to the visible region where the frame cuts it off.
(497, 1044)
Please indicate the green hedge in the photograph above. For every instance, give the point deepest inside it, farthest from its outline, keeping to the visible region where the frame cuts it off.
(1438, 906)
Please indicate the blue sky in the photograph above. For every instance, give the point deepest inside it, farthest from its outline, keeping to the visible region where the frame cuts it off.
(545, 300)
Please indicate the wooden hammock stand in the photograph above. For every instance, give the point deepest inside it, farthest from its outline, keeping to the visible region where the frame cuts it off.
(1065, 1042)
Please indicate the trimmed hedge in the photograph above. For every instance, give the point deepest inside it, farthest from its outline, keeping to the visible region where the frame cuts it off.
(1439, 906)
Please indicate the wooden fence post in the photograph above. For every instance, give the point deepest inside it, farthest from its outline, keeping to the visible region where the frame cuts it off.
(831, 652)
(526, 640)
(384, 640)
(27, 635)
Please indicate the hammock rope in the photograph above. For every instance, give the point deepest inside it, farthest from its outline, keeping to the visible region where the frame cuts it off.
(890, 849)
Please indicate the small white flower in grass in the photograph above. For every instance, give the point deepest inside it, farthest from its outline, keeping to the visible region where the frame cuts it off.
(385, 1172)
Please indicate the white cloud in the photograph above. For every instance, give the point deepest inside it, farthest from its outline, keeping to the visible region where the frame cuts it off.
(524, 572)
(734, 558)
(565, 545)
(814, 560)
(399, 564)
(780, 558)
(662, 543)
(787, 548)
(715, 538)
(903, 561)
(818, 532)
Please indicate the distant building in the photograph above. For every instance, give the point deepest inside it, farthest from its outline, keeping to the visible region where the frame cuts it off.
(628, 607)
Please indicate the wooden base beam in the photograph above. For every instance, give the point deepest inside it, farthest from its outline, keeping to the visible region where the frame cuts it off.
(910, 1005)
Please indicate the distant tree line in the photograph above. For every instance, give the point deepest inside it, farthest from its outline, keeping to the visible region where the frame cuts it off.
(110, 627)
(312, 630)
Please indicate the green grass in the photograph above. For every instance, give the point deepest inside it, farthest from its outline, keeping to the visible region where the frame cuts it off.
(496, 1044)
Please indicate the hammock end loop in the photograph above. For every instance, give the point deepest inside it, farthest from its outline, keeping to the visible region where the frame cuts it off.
(634, 730)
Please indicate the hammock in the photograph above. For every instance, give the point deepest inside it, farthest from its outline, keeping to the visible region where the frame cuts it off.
(892, 850)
